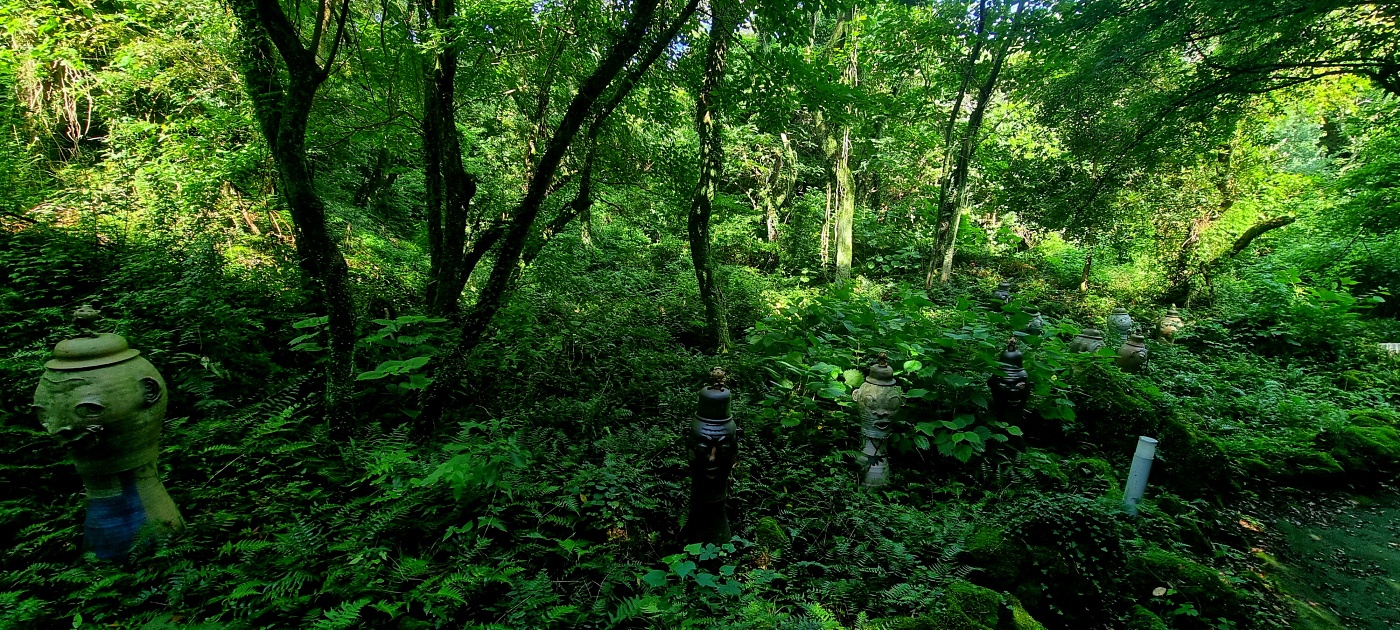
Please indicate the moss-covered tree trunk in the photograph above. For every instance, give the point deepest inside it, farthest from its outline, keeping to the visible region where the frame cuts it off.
(450, 187)
(283, 112)
(711, 132)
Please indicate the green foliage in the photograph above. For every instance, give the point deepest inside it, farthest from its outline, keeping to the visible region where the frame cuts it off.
(133, 177)
(807, 346)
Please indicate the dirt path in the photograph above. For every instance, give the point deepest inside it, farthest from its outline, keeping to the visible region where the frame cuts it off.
(1338, 561)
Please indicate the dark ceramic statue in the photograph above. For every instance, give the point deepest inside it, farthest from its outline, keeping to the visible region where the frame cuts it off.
(1011, 388)
(877, 400)
(714, 444)
(1003, 292)
(1132, 355)
(106, 404)
(1037, 324)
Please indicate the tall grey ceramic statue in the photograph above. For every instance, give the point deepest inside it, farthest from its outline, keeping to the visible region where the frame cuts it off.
(877, 400)
(105, 403)
(1119, 323)
(714, 445)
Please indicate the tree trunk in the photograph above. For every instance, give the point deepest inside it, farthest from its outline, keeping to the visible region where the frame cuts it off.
(711, 132)
(1088, 266)
(454, 361)
(945, 173)
(1256, 231)
(283, 113)
(442, 148)
(774, 192)
(948, 236)
(844, 203)
(1179, 288)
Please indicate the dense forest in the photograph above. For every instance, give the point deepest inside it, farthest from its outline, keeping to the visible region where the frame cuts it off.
(429, 297)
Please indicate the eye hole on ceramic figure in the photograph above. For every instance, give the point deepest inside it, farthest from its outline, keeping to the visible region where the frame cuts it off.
(89, 410)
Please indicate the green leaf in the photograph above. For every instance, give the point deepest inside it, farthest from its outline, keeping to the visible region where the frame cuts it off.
(311, 322)
(707, 579)
(655, 578)
(913, 365)
(683, 568)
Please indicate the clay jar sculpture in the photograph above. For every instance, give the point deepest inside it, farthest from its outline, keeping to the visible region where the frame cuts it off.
(1170, 324)
(1011, 388)
(1132, 355)
(105, 403)
(1119, 322)
(877, 400)
(714, 444)
(1003, 292)
(1088, 341)
(1037, 324)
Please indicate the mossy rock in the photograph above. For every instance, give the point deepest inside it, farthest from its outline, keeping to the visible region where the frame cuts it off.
(1364, 449)
(979, 604)
(1001, 560)
(1194, 583)
(1295, 463)
(1020, 619)
(971, 607)
(1374, 417)
(1074, 554)
(1192, 463)
(1143, 619)
(1094, 469)
(771, 536)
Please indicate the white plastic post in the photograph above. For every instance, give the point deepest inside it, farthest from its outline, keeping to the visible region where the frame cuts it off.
(1137, 475)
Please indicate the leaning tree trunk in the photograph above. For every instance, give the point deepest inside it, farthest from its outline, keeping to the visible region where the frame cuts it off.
(948, 238)
(945, 183)
(283, 113)
(711, 133)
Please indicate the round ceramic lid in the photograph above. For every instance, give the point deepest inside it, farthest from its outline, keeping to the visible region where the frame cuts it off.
(89, 349)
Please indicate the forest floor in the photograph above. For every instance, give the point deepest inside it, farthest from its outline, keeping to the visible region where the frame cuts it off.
(1338, 559)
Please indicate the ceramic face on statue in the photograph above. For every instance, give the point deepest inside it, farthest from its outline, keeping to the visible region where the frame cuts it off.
(714, 445)
(1132, 355)
(1119, 322)
(1171, 323)
(105, 403)
(877, 400)
(1011, 388)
